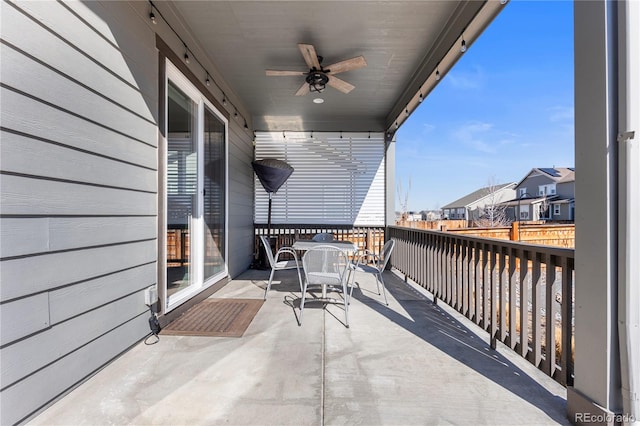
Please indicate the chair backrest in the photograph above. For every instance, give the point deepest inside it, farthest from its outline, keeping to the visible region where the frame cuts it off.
(325, 264)
(386, 254)
(324, 236)
(267, 249)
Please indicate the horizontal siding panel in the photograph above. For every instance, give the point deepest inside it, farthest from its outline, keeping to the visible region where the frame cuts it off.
(23, 236)
(25, 276)
(19, 400)
(20, 154)
(26, 75)
(24, 357)
(135, 37)
(41, 197)
(62, 22)
(23, 317)
(31, 117)
(64, 58)
(70, 301)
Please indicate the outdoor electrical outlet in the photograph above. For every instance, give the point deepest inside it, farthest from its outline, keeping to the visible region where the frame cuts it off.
(150, 295)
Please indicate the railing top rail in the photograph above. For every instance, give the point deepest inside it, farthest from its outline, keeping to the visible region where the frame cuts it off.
(321, 225)
(536, 248)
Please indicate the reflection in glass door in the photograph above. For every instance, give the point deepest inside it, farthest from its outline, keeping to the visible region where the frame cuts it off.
(196, 180)
(214, 194)
(182, 189)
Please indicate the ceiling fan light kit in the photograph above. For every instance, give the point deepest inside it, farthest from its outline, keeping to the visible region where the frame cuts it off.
(318, 77)
(317, 81)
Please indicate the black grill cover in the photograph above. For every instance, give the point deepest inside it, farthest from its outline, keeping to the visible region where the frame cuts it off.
(272, 173)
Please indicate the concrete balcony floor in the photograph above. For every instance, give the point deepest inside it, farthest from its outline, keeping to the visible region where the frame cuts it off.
(411, 363)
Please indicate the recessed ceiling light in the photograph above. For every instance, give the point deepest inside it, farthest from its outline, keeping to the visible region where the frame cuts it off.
(318, 100)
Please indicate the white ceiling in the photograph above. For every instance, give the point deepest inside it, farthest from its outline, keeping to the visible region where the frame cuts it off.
(402, 42)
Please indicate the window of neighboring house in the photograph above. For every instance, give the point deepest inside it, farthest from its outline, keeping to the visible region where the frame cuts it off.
(556, 209)
(524, 212)
(461, 212)
(549, 189)
(522, 192)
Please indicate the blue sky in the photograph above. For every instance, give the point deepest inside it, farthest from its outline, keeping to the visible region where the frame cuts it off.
(505, 108)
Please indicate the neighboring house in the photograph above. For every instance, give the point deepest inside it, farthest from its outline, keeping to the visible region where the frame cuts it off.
(544, 194)
(474, 205)
(432, 215)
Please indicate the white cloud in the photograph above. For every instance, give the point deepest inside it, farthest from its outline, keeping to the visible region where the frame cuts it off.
(560, 114)
(470, 79)
(473, 135)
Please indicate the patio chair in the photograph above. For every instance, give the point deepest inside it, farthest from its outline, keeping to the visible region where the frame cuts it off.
(280, 265)
(326, 267)
(376, 268)
(324, 236)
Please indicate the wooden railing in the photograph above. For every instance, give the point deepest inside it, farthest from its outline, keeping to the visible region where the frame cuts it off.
(489, 281)
(366, 237)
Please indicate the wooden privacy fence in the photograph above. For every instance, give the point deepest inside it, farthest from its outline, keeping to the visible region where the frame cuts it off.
(522, 294)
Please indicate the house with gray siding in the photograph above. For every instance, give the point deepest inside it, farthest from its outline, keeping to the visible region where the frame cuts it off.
(127, 132)
(544, 194)
(474, 205)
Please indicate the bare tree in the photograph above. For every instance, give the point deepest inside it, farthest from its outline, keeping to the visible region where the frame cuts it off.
(403, 199)
(493, 213)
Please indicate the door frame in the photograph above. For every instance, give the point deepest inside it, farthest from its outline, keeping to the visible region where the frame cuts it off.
(169, 303)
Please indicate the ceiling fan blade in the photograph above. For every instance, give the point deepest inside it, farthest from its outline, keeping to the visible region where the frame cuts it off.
(303, 90)
(283, 73)
(347, 65)
(309, 54)
(341, 85)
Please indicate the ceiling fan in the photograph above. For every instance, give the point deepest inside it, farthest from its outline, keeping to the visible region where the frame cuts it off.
(317, 78)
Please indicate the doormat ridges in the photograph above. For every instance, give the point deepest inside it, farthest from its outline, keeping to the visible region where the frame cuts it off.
(215, 318)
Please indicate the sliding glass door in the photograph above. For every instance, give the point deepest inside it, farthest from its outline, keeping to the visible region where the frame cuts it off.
(196, 191)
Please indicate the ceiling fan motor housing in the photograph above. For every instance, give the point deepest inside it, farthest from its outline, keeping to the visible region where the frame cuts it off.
(317, 81)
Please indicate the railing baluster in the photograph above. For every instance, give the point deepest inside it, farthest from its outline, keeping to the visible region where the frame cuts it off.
(550, 332)
(503, 294)
(493, 302)
(486, 287)
(524, 303)
(478, 285)
(536, 309)
(470, 276)
(513, 273)
(566, 377)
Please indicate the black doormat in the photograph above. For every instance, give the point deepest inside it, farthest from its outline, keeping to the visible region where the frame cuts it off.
(215, 318)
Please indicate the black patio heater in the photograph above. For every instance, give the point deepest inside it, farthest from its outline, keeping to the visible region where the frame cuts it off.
(273, 174)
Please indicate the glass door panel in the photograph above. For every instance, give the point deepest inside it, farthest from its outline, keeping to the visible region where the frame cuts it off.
(182, 191)
(214, 195)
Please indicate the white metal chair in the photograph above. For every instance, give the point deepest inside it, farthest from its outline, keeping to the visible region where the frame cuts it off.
(326, 266)
(322, 237)
(280, 265)
(376, 268)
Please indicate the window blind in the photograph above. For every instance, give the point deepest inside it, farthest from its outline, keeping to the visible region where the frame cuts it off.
(338, 178)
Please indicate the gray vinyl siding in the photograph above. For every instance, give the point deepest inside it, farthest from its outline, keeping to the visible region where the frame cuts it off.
(79, 185)
(566, 189)
(240, 199)
(79, 198)
(531, 185)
